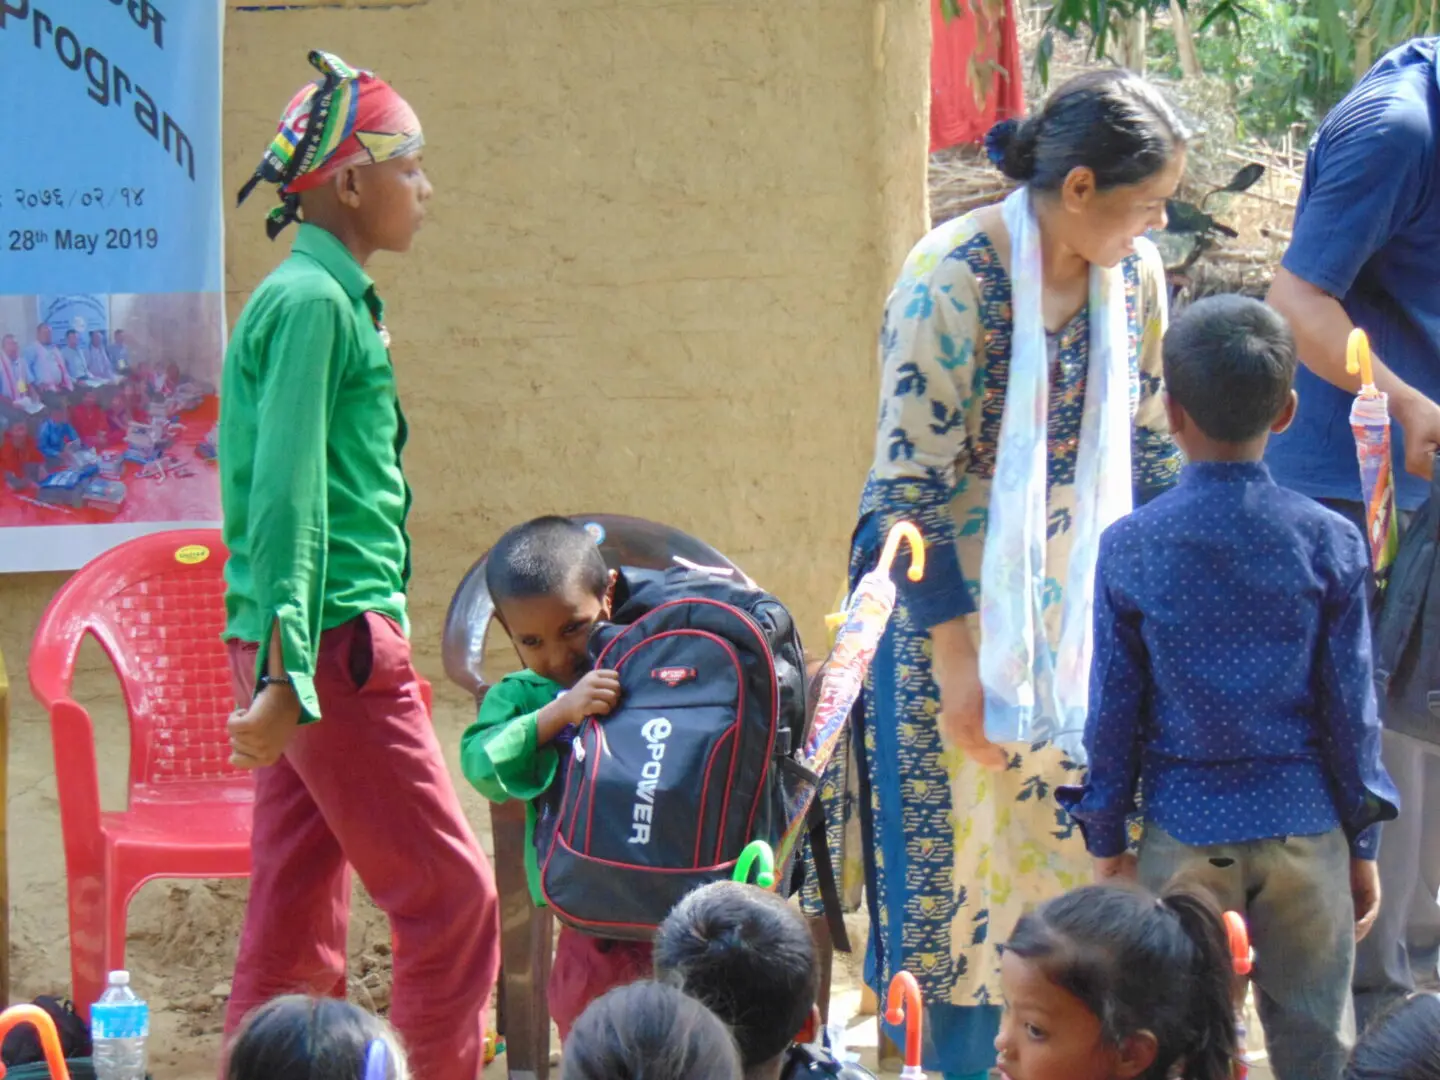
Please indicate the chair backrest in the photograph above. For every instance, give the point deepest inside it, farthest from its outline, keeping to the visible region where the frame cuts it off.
(624, 541)
(156, 605)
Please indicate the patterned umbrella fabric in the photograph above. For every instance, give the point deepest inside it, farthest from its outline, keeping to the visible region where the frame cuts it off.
(1370, 423)
(866, 614)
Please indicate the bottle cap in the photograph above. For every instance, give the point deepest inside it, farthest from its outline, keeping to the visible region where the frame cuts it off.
(119, 978)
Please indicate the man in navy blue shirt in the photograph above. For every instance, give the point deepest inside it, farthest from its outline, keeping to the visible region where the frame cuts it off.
(1232, 687)
(1366, 252)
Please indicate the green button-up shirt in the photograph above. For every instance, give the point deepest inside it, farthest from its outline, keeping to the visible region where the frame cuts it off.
(500, 755)
(310, 438)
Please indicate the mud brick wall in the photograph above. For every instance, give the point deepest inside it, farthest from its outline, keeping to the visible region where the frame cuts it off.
(650, 284)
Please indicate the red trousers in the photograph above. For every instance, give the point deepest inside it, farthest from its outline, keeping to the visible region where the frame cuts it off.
(586, 967)
(366, 786)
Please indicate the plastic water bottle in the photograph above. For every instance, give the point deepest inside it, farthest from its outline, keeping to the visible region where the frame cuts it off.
(119, 1026)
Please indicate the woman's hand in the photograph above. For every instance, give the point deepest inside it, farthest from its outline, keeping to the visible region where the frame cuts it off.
(962, 700)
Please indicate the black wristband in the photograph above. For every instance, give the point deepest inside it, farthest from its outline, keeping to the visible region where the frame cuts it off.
(275, 680)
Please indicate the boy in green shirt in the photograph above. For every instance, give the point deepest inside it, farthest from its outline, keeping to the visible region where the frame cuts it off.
(550, 586)
(332, 718)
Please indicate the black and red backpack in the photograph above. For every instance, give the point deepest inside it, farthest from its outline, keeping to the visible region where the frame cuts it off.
(697, 759)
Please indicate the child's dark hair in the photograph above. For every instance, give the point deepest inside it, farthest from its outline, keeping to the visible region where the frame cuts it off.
(749, 956)
(650, 1031)
(1402, 1044)
(306, 1038)
(1112, 122)
(1230, 364)
(1142, 964)
(543, 557)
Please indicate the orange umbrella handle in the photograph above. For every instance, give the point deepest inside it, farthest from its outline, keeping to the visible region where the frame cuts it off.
(903, 530)
(49, 1037)
(905, 1005)
(1239, 938)
(1358, 360)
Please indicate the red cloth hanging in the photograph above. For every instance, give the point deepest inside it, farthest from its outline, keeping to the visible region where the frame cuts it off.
(971, 38)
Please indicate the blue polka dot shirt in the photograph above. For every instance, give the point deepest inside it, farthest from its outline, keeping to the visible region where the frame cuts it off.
(1232, 680)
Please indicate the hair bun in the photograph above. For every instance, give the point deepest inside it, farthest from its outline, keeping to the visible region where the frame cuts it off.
(998, 140)
(1010, 145)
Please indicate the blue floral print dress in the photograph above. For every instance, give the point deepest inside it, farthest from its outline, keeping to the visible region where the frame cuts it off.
(954, 853)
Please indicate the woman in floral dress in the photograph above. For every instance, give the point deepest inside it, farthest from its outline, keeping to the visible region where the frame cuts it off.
(1020, 414)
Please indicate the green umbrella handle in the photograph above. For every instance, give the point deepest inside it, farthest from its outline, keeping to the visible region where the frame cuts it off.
(756, 851)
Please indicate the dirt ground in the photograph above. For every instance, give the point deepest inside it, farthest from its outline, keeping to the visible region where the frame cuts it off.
(183, 934)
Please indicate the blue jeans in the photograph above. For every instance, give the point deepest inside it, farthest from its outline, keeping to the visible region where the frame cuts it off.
(1294, 893)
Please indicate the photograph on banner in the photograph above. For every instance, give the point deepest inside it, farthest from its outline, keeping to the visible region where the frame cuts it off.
(112, 318)
(108, 408)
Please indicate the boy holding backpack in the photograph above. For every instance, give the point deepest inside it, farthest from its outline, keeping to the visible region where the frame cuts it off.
(550, 586)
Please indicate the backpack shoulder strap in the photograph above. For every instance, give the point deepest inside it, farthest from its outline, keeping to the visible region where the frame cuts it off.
(825, 879)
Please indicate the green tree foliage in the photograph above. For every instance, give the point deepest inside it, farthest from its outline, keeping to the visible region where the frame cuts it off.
(1288, 61)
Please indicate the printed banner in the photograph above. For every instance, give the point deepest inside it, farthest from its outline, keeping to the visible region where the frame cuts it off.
(112, 320)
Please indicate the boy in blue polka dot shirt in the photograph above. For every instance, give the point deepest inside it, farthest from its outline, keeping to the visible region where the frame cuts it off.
(1232, 690)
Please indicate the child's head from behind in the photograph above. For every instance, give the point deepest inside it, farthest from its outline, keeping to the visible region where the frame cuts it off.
(1109, 983)
(749, 956)
(1229, 377)
(1403, 1044)
(652, 1031)
(303, 1038)
(550, 586)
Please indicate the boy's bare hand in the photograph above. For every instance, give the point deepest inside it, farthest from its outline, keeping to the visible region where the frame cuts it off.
(259, 734)
(593, 695)
(1365, 891)
(1117, 868)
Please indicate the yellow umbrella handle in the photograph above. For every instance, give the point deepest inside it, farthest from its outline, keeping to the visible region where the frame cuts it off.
(1358, 360)
(903, 530)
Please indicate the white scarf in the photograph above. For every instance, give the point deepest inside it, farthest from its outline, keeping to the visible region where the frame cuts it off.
(1032, 692)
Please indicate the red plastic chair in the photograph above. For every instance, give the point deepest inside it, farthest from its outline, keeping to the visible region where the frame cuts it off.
(156, 606)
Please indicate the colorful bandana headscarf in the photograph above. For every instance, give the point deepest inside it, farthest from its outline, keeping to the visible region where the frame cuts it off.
(348, 117)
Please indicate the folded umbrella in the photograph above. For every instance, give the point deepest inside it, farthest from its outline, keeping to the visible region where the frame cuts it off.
(841, 678)
(1370, 423)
